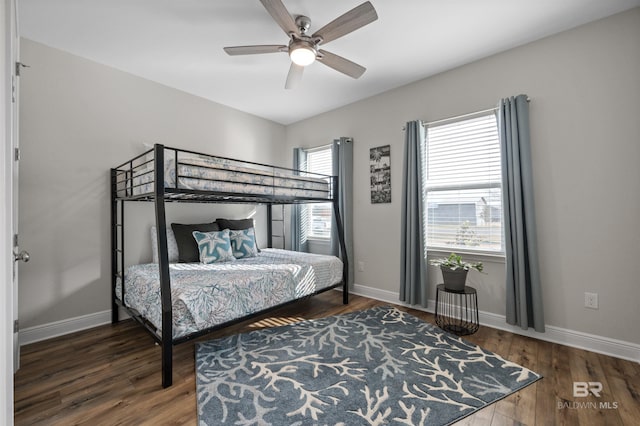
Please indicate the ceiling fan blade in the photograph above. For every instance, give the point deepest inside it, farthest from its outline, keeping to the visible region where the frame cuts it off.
(281, 15)
(253, 50)
(294, 76)
(341, 64)
(356, 18)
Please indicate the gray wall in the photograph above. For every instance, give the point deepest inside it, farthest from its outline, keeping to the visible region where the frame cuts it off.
(585, 112)
(79, 119)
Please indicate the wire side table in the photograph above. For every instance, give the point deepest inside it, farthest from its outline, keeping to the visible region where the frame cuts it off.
(457, 311)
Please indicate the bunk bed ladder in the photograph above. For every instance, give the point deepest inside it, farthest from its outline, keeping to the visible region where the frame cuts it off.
(275, 223)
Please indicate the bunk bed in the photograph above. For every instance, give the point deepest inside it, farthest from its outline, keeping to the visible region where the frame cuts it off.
(165, 174)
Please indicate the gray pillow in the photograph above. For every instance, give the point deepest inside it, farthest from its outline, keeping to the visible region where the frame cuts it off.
(188, 251)
(235, 224)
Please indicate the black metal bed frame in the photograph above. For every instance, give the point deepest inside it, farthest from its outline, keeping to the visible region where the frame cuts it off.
(123, 189)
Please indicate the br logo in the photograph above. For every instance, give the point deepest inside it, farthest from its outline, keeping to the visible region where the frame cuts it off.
(583, 389)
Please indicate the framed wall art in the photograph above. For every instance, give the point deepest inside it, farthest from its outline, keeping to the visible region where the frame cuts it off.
(380, 169)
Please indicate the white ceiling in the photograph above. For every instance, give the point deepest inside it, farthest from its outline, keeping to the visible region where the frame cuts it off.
(179, 43)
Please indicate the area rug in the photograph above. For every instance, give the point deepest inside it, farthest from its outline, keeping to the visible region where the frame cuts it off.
(381, 366)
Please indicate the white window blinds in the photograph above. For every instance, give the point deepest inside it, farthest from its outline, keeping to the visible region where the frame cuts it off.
(463, 185)
(320, 161)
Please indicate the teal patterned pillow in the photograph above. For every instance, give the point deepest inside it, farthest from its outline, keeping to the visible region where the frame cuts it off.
(214, 246)
(243, 243)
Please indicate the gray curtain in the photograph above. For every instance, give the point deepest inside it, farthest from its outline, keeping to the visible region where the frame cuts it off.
(342, 160)
(524, 295)
(413, 266)
(299, 240)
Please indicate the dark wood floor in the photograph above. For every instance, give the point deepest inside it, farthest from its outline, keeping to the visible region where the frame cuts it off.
(110, 375)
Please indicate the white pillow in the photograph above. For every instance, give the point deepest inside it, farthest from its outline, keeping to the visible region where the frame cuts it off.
(172, 245)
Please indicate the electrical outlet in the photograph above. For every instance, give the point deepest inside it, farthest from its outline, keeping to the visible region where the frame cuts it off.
(361, 266)
(591, 300)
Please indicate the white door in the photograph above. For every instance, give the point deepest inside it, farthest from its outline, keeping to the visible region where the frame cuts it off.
(15, 42)
(8, 191)
(19, 255)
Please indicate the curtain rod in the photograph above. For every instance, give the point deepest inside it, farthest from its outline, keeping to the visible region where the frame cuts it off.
(457, 117)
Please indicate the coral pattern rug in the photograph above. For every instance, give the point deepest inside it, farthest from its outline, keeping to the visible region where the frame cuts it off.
(381, 366)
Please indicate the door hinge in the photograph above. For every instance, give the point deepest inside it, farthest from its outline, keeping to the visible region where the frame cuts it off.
(20, 65)
(16, 326)
(15, 240)
(16, 155)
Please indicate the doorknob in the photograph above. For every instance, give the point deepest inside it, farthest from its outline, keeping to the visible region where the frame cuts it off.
(23, 255)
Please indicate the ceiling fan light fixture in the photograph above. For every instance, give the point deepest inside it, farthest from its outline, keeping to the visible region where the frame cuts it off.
(302, 54)
(303, 48)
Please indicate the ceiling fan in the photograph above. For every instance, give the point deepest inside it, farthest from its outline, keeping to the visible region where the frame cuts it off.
(303, 49)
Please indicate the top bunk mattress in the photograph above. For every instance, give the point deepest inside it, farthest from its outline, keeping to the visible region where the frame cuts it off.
(207, 295)
(221, 175)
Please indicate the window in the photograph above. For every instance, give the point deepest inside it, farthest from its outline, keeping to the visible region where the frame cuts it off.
(462, 185)
(320, 214)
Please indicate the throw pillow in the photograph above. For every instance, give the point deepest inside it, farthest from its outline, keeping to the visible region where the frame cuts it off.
(243, 243)
(187, 246)
(236, 225)
(214, 246)
(172, 245)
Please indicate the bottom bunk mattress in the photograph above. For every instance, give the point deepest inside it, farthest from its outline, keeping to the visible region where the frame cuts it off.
(206, 295)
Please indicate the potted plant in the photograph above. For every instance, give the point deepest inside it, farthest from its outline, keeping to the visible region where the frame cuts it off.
(454, 271)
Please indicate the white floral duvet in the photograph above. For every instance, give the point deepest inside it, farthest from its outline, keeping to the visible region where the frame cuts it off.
(204, 296)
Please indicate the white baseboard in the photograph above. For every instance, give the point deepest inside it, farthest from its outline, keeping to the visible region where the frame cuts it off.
(577, 339)
(60, 328)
